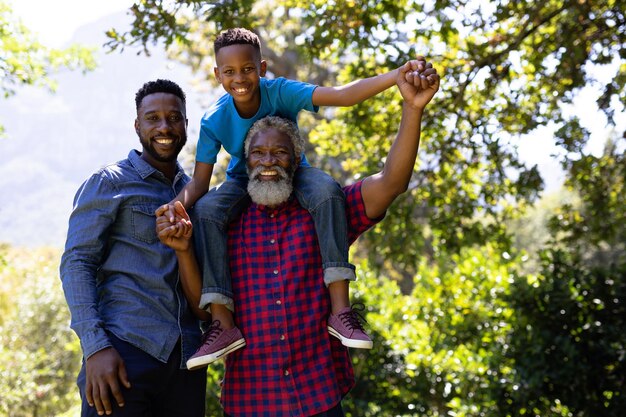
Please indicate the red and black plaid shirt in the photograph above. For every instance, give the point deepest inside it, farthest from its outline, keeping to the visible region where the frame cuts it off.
(290, 366)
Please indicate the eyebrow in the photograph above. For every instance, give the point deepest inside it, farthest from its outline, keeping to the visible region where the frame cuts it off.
(167, 111)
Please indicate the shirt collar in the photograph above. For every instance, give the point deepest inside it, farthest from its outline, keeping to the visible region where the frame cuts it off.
(145, 169)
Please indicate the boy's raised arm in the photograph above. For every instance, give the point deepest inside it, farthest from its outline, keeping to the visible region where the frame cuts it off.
(357, 91)
(354, 92)
(193, 190)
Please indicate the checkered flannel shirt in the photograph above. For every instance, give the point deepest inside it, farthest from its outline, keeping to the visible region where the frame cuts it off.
(290, 366)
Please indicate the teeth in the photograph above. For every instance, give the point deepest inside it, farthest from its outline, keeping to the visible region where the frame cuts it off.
(240, 90)
(164, 141)
(269, 173)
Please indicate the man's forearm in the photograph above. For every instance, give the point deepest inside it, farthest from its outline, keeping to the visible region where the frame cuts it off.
(403, 153)
(79, 286)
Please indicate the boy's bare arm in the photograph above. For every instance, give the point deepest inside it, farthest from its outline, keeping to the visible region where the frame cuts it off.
(195, 188)
(178, 237)
(354, 92)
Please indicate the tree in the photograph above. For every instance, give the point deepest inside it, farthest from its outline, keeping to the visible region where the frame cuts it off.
(25, 61)
(568, 342)
(507, 68)
(467, 331)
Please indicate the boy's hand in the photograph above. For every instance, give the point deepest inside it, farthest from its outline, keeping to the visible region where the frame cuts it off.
(174, 234)
(418, 82)
(168, 210)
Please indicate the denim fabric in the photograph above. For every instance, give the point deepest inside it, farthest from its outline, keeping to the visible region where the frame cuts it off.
(211, 215)
(316, 191)
(322, 196)
(117, 276)
(157, 389)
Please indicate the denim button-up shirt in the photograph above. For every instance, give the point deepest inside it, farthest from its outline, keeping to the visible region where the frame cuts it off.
(117, 276)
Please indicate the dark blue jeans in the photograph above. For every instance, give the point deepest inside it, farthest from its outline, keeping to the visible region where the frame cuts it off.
(316, 191)
(157, 389)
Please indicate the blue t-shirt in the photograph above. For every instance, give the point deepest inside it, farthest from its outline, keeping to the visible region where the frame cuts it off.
(221, 125)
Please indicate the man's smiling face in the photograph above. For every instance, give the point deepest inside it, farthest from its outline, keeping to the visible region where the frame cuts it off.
(271, 165)
(161, 125)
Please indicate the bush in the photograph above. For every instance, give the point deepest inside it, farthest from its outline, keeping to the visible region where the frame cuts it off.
(39, 354)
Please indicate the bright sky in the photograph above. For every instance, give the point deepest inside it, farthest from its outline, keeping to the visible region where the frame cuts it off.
(56, 20)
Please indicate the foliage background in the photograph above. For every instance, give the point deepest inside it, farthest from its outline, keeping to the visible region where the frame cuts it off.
(474, 312)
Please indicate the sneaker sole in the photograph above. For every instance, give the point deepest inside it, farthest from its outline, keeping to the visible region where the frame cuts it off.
(353, 343)
(202, 361)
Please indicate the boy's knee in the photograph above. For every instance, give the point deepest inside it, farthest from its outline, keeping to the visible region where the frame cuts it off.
(328, 189)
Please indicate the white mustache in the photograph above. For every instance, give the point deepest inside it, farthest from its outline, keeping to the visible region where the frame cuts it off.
(282, 173)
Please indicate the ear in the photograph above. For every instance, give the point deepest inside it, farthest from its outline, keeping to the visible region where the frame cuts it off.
(216, 72)
(263, 67)
(137, 126)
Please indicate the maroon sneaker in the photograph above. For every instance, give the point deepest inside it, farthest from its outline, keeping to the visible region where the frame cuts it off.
(346, 326)
(216, 343)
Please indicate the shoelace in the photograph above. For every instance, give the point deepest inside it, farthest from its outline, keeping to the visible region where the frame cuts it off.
(212, 332)
(352, 319)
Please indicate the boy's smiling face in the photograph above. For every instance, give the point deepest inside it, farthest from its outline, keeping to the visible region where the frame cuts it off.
(239, 69)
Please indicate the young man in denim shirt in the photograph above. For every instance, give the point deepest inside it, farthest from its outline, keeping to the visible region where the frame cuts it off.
(121, 284)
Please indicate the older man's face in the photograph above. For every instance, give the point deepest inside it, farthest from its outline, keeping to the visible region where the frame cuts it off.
(271, 164)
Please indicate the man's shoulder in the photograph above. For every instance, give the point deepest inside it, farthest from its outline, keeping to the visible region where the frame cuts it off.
(353, 191)
(358, 221)
(124, 169)
(114, 169)
(279, 82)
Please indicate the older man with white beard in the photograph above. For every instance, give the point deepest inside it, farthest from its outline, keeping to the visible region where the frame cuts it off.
(290, 366)
(271, 176)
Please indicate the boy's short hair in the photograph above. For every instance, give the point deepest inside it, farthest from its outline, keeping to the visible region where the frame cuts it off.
(159, 86)
(281, 124)
(237, 36)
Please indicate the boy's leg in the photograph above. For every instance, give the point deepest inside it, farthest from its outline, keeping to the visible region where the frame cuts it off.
(211, 215)
(218, 340)
(320, 194)
(324, 199)
(339, 295)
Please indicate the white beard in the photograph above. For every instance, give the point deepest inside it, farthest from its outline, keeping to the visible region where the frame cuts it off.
(270, 193)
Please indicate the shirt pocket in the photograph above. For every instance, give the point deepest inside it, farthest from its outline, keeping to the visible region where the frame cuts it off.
(143, 222)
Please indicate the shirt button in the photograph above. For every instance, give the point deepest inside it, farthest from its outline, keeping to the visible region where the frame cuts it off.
(276, 272)
(286, 372)
(279, 302)
(272, 241)
(282, 337)
(272, 215)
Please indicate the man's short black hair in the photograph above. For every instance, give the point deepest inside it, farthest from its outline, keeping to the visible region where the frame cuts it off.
(159, 86)
(237, 36)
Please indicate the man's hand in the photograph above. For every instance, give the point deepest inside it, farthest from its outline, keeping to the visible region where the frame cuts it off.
(418, 82)
(105, 371)
(175, 234)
